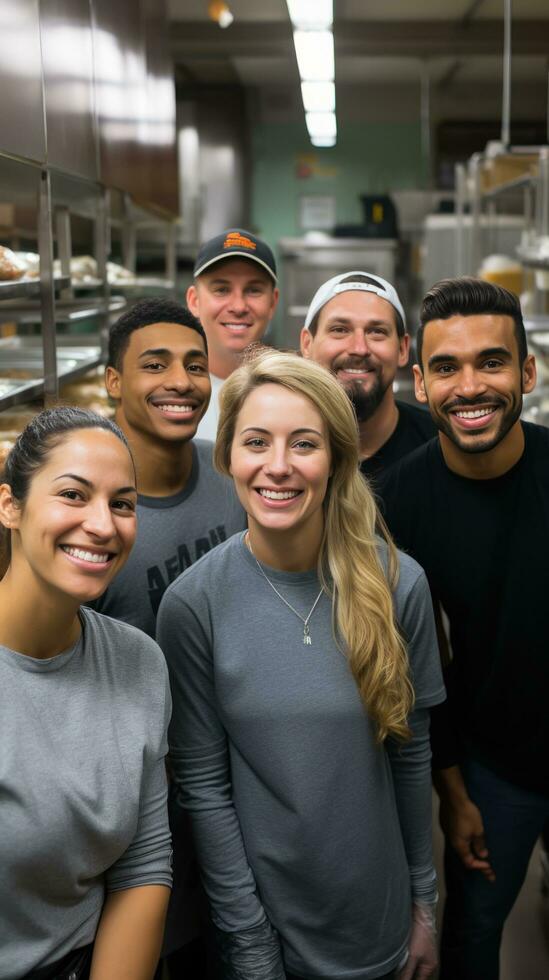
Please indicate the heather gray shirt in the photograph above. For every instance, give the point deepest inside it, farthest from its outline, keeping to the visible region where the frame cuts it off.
(172, 533)
(298, 814)
(82, 787)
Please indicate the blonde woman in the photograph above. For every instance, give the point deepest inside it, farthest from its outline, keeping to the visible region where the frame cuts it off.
(303, 662)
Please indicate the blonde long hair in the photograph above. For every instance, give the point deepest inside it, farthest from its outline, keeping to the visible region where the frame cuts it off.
(349, 563)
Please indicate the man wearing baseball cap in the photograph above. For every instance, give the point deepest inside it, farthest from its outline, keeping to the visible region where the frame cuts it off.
(234, 295)
(356, 327)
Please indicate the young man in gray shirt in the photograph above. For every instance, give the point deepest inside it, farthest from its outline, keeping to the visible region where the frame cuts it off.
(157, 375)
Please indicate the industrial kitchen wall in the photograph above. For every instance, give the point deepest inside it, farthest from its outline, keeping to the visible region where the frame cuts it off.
(88, 90)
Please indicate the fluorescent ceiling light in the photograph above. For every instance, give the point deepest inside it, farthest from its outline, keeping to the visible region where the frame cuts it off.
(315, 55)
(321, 124)
(311, 13)
(323, 140)
(318, 96)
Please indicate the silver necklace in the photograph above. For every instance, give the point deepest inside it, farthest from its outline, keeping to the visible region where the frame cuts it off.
(304, 619)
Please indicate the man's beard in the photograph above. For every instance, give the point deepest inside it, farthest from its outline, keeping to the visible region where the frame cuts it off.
(481, 443)
(366, 403)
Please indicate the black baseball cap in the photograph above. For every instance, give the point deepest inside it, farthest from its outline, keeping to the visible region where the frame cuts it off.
(235, 242)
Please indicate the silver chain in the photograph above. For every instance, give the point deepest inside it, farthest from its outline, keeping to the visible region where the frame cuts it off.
(304, 619)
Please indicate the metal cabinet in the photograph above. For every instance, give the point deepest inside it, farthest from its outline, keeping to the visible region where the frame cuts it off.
(22, 129)
(67, 58)
(88, 119)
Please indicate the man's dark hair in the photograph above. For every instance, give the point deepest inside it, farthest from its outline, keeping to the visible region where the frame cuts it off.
(142, 314)
(469, 297)
(400, 328)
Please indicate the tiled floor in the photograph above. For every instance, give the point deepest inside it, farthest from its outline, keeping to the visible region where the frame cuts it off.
(525, 947)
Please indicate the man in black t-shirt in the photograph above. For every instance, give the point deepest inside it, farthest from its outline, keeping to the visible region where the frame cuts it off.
(355, 326)
(473, 508)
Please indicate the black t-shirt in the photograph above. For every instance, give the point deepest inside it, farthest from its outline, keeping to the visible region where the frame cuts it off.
(483, 545)
(414, 427)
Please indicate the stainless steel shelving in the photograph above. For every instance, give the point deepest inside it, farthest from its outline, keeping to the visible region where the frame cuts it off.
(28, 288)
(533, 250)
(32, 367)
(66, 310)
(23, 356)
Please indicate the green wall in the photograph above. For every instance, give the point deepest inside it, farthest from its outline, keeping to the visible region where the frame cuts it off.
(368, 158)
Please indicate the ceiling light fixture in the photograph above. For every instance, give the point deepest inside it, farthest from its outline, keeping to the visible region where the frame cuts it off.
(220, 12)
(318, 96)
(321, 124)
(311, 13)
(315, 55)
(314, 48)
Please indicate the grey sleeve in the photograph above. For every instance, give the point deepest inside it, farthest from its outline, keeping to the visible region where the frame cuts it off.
(417, 622)
(199, 755)
(411, 761)
(148, 859)
(411, 768)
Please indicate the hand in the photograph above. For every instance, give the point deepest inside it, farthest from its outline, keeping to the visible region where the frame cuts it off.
(422, 949)
(462, 825)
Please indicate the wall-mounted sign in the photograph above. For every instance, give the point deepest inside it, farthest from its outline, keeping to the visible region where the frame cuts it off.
(317, 212)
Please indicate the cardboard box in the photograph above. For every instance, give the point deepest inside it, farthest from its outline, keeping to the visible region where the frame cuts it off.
(507, 167)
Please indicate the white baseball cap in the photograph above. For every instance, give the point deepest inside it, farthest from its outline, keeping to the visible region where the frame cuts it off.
(343, 283)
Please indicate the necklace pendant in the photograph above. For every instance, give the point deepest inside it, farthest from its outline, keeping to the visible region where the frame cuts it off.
(306, 636)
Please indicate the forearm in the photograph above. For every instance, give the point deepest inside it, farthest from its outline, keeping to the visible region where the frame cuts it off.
(461, 820)
(129, 937)
(450, 786)
(411, 769)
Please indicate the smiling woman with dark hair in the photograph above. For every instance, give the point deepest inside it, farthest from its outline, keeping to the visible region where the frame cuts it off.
(84, 707)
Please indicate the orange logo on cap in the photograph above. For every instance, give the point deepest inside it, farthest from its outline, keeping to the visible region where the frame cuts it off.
(236, 239)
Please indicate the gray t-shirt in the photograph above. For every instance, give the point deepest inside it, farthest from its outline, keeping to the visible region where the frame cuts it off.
(172, 533)
(83, 737)
(298, 813)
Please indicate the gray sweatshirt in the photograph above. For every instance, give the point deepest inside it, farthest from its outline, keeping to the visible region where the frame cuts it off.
(82, 787)
(172, 532)
(301, 819)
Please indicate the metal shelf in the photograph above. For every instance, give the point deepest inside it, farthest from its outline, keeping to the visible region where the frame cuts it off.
(71, 373)
(125, 285)
(55, 356)
(143, 282)
(531, 261)
(66, 311)
(18, 392)
(537, 323)
(30, 288)
(25, 354)
(507, 187)
(86, 285)
(14, 392)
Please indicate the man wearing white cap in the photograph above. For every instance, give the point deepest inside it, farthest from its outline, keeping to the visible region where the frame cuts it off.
(356, 327)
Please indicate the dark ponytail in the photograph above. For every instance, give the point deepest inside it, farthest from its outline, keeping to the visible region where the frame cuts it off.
(33, 447)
